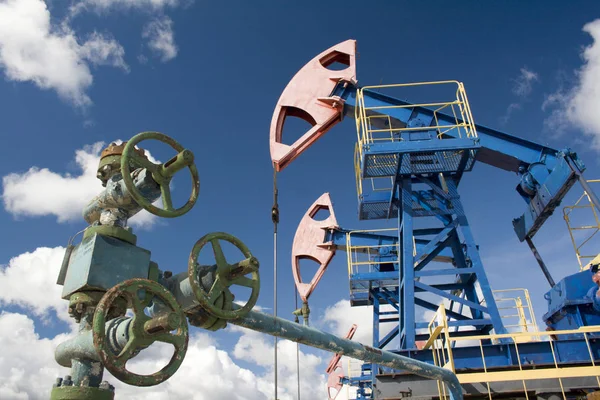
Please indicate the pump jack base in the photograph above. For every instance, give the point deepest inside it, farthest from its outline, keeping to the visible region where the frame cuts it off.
(81, 393)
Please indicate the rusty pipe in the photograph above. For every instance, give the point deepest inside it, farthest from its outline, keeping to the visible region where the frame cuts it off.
(279, 327)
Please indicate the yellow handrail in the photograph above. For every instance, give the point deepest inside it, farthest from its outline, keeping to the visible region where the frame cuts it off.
(368, 133)
(442, 343)
(584, 202)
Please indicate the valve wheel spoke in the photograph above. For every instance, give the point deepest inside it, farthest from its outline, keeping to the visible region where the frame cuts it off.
(215, 291)
(219, 255)
(226, 275)
(127, 352)
(143, 162)
(138, 304)
(176, 340)
(162, 178)
(165, 192)
(244, 281)
(138, 337)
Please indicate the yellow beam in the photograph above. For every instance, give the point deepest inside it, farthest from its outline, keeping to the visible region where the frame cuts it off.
(516, 375)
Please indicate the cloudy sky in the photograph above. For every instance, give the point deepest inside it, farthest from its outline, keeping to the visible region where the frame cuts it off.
(77, 75)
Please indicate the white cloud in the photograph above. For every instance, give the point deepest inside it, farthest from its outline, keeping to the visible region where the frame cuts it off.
(523, 84)
(100, 50)
(29, 280)
(577, 106)
(339, 318)
(522, 87)
(106, 5)
(512, 107)
(32, 49)
(161, 41)
(257, 348)
(27, 366)
(65, 195)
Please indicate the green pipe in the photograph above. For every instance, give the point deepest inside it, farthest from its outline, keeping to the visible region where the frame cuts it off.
(312, 337)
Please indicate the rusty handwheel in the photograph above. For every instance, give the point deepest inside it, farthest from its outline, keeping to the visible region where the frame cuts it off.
(226, 275)
(142, 330)
(161, 173)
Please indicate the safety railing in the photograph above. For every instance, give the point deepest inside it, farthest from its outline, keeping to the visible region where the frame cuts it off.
(383, 184)
(442, 344)
(366, 258)
(516, 310)
(582, 235)
(375, 124)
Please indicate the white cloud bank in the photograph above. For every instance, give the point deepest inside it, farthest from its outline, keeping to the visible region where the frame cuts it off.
(577, 107)
(161, 39)
(28, 368)
(34, 50)
(37, 272)
(106, 5)
(65, 195)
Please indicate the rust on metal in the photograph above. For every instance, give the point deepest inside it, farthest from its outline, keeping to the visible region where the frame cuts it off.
(114, 149)
(139, 338)
(373, 350)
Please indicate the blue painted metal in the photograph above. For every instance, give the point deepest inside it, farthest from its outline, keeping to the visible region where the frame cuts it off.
(454, 241)
(546, 174)
(570, 303)
(100, 262)
(569, 351)
(426, 171)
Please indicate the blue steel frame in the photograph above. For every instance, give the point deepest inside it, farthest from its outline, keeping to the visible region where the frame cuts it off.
(404, 288)
(419, 193)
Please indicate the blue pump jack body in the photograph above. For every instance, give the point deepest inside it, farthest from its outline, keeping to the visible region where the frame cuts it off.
(407, 276)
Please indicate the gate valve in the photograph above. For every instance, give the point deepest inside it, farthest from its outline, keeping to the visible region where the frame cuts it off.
(214, 300)
(161, 173)
(142, 330)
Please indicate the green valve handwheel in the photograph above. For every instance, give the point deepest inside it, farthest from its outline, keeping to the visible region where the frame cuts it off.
(161, 173)
(170, 326)
(226, 275)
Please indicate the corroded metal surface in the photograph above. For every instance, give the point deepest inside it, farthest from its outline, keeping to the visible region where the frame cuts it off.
(308, 96)
(110, 161)
(308, 244)
(67, 392)
(141, 335)
(225, 276)
(115, 204)
(161, 173)
(312, 337)
(114, 149)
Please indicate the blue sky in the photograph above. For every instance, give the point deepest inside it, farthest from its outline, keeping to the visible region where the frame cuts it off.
(209, 74)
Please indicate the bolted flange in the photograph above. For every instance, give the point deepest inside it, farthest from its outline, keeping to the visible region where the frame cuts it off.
(110, 161)
(82, 392)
